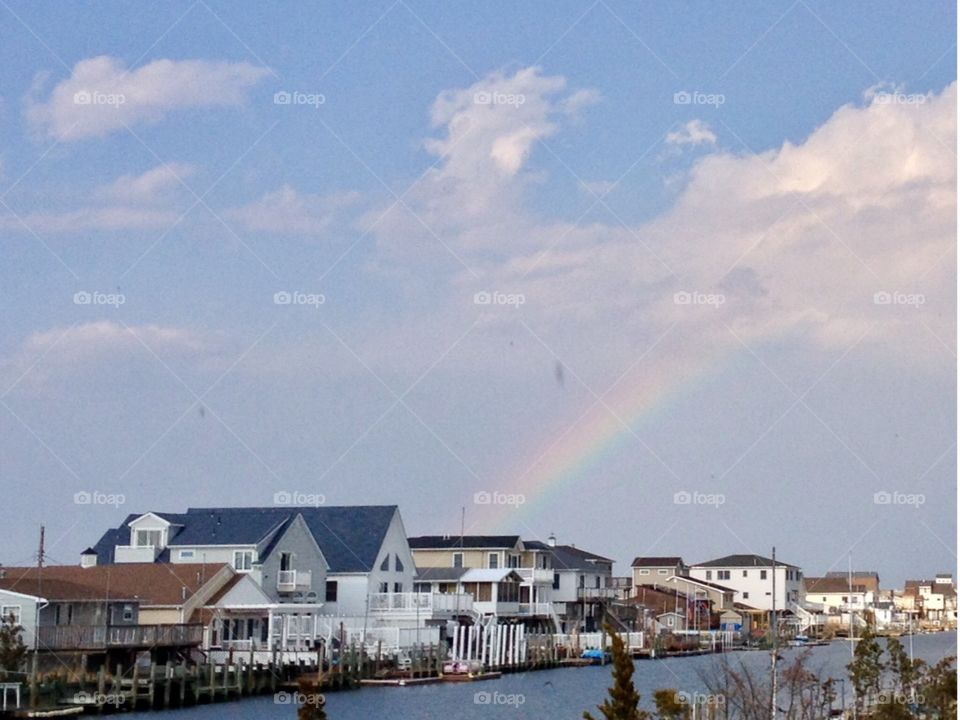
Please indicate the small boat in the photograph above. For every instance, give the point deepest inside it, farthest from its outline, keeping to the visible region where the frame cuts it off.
(596, 656)
(472, 677)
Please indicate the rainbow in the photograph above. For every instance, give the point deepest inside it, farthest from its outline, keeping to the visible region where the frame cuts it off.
(570, 453)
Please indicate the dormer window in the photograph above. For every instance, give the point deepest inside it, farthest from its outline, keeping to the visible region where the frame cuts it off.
(149, 538)
(243, 560)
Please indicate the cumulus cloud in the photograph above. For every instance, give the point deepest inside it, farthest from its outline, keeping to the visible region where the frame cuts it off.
(695, 132)
(288, 211)
(102, 96)
(150, 187)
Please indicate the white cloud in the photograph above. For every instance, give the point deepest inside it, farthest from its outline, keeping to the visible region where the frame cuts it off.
(105, 337)
(151, 187)
(287, 211)
(102, 96)
(695, 132)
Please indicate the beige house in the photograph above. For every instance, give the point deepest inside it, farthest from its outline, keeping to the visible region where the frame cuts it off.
(657, 570)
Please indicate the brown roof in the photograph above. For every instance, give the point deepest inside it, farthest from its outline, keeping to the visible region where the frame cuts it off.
(665, 561)
(149, 583)
(832, 585)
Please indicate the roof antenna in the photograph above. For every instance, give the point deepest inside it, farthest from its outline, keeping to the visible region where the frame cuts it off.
(40, 552)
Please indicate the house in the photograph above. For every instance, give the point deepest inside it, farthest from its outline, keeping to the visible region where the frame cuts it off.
(113, 611)
(870, 579)
(836, 595)
(935, 601)
(752, 579)
(336, 557)
(655, 570)
(670, 622)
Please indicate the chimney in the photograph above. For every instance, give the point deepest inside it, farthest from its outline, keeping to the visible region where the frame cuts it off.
(552, 540)
(88, 558)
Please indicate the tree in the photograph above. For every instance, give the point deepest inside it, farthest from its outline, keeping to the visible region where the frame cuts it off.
(311, 701)
(866, 671)
(12, 650)
(624, 700)
(670, 706)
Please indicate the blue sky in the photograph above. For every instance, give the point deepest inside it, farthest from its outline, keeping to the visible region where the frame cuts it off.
(792, 159)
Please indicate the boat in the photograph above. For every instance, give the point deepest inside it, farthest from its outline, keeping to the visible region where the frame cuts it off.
(472, 677)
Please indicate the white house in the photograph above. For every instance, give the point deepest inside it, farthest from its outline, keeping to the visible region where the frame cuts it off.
(835, 595)
(751, 578)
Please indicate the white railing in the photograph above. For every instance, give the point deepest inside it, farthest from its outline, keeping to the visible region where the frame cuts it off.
(135, 554)
(287, 580)
(538, 576)
(535, 609)
(421, 602)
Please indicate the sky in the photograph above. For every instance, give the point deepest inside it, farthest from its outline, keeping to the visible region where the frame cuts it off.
(659, 278)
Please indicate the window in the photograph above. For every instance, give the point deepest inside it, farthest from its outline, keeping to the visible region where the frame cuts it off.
(149, 538)
(186, 554)
(286, 561)
(513, 561)
(458, 560)
(744, 573)
(397, 565)
(422, 587)
(662, 571)
(763, 574)
(398, 587)
(243, 560)
(385, 565)
(331, 594)
(556, 581)
(493, 561)
(709, 574)
(746, 596)
(384, 587)
(10, 611)
(128, 613)
(644, 571)
(723, 574)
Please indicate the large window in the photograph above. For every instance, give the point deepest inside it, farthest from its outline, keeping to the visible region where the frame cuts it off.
(243, 560)
(331, 594)
(8, 611)
(458, 560)
(723, 574)
(149, 538)
(494, 560)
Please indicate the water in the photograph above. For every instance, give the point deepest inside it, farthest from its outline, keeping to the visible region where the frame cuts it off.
(545, 695)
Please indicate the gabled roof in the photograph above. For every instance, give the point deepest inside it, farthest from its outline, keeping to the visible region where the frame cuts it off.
(743, 561)
(567, 557)
(349, 537)
(665, 561)
(148, 583)
(455, 542)
(701, 583)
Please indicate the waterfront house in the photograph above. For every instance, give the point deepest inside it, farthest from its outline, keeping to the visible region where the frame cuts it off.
(837, 595)
(869, 579)
(657, 570)
(336, 557)
(105, 612)
(935, 601)
(751, 578)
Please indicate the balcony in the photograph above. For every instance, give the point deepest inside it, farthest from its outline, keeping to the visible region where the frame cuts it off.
(135, 553)
(292, 580)
(425, 604)
(102, 637)
(535, 609)
(603, 593)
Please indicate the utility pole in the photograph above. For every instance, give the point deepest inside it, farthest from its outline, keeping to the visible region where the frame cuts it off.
(40, 551)
(774, 629)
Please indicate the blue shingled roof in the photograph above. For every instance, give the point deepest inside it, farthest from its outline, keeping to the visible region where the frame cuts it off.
(349, 537)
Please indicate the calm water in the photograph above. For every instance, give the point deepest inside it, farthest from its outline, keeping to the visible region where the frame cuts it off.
(548, 694)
